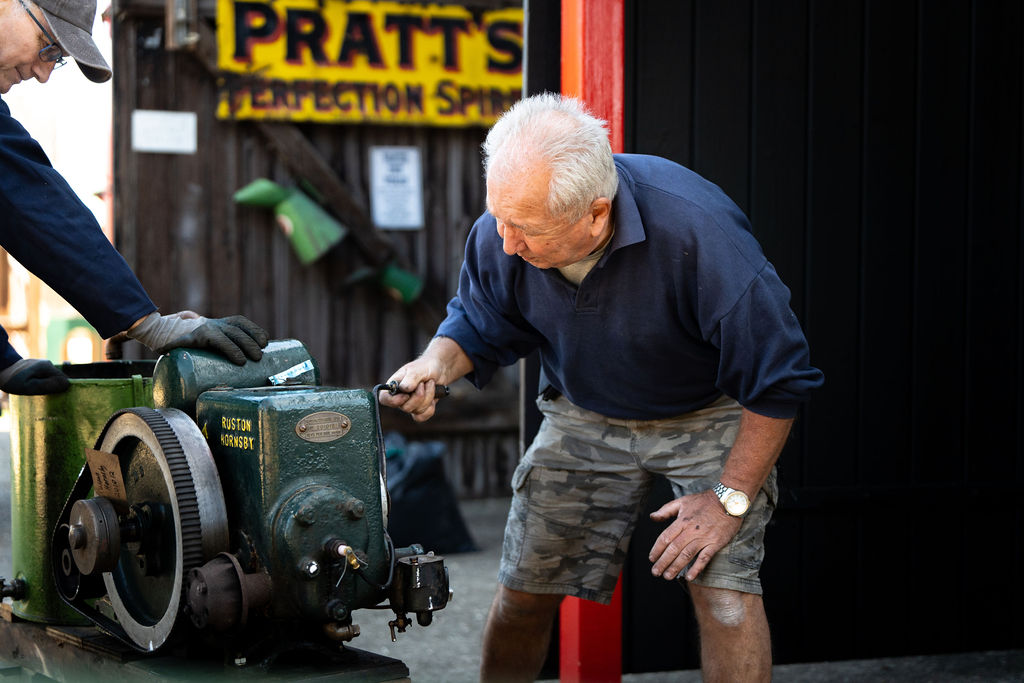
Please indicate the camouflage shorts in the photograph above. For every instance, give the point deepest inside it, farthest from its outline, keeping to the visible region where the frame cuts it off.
(582, 484)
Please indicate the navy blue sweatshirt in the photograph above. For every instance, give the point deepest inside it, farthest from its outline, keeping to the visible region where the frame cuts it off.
(682, 307)
(46, 227)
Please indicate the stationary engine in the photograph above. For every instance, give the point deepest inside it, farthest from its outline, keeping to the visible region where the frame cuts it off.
(246, 510)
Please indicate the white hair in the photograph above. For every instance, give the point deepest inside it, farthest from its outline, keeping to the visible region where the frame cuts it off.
(559, 132)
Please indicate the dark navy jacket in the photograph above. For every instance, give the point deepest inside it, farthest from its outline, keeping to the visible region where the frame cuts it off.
(682, 307)
(55, 236)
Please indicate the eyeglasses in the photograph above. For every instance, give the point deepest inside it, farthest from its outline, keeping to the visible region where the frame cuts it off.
(52, 52)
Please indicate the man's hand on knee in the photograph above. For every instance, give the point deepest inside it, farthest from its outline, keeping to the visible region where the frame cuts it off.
(700, 529)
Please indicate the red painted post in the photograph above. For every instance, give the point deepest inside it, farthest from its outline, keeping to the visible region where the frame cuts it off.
(592, 59)
(590, 649)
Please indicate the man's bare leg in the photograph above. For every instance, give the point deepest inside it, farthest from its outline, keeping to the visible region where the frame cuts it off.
(735, 644)
(517, 635)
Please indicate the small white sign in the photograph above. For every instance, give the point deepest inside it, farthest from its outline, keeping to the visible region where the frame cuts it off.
(166, 132)
(396, 188)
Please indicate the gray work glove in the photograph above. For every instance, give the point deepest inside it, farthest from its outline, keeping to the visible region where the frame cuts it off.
(32, 377)
(235, 337)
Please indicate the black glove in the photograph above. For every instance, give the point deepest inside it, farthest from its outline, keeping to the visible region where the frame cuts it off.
(235, 337)
(32, 377)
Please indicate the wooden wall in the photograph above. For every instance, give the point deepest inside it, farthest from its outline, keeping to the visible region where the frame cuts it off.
(193, 248)
(878, 148)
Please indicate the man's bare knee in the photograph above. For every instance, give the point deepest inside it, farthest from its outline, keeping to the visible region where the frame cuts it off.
(727, 607)
(515, 605)
(517, 635)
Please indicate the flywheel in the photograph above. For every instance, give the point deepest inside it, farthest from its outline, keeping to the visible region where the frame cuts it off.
(177, 518)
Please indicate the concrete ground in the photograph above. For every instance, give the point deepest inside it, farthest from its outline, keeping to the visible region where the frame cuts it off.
(448, 650)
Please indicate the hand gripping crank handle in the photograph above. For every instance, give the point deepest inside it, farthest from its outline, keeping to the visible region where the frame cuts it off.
(440, 390)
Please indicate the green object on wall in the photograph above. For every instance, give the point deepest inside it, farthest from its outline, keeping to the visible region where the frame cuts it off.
(399, 283)
(311, 230)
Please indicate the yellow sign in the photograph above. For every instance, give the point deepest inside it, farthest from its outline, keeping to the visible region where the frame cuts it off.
(340, 61)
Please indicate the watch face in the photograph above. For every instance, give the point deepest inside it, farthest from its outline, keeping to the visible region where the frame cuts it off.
(737, 503)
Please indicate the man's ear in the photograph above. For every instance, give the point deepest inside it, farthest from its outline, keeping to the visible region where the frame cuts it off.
(600, 212)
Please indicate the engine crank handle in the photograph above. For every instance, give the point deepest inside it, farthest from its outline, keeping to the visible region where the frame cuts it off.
(440, 390)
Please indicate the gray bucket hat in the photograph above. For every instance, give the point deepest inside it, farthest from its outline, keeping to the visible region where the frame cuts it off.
(71, 21)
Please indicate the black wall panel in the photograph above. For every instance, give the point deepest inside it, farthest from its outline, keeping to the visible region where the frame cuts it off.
(877, 147)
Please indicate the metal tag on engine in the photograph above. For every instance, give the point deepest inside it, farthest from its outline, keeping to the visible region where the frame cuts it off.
(323, 426)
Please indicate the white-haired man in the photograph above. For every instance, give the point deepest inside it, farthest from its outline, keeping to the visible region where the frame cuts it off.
(668, 349)
(50, 231)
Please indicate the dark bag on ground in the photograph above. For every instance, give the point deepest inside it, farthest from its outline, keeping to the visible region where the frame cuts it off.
(424, 508)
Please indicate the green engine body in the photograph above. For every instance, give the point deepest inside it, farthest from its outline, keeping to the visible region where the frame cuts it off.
(301, 469)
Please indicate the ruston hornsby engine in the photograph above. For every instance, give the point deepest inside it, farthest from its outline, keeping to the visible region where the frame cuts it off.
(246, 510)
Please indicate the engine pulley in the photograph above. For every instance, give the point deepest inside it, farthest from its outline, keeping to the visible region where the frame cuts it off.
(94, 535)
(178, 519)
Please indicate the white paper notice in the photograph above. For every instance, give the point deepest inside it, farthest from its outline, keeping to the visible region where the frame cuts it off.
(167, 132)
(396, 188)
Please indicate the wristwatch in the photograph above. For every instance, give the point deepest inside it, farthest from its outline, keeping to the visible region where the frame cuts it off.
(735, 502)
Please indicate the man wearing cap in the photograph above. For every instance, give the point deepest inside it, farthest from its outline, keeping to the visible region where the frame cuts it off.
(50, 231)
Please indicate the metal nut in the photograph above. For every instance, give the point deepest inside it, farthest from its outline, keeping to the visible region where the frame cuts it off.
(305, 516)
(76, 536)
